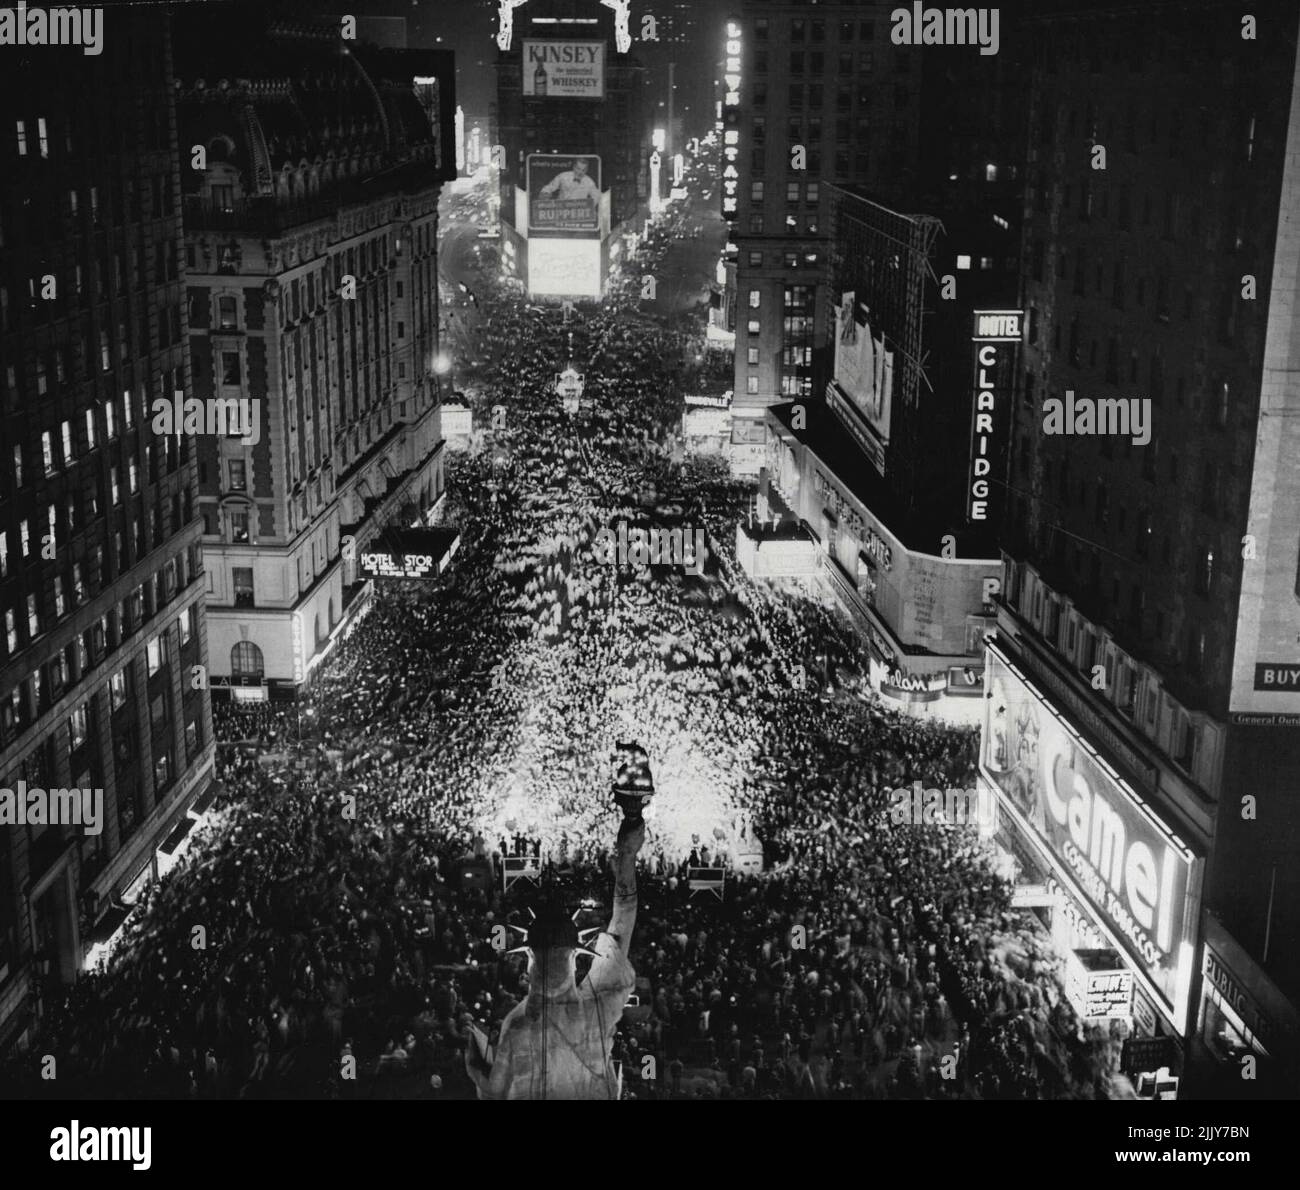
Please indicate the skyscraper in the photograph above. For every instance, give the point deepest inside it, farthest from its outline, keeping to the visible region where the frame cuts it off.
(101, 574)
(1141, 732)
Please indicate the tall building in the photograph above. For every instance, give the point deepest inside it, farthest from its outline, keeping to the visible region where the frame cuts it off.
(823, 95)
(876, 472)
(577, 143)
(1141, 738)
(102, 577)
(311, 235)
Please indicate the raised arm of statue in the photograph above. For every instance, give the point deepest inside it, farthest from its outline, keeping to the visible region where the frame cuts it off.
(631, 836)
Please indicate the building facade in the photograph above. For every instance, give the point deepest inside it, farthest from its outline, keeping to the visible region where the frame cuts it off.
(570, 87)
(311, 253)
(102, 576)
(1141, 734)
(823, 95)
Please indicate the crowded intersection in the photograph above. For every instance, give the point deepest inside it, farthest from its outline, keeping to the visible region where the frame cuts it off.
(325, 910)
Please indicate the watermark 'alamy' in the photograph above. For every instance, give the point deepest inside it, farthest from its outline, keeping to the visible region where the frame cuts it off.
(946, 26)
(34, 806)
(1110, 415)
(234, 417)
(640, 548)
(97, 1142)
(55, 26)
(936, 807)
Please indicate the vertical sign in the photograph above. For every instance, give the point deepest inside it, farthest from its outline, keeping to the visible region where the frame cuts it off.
(731, 124)
(994, 333)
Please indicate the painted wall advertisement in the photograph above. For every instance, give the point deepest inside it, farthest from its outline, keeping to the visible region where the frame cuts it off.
(563, 194)
(564, 69)
(1128, 866)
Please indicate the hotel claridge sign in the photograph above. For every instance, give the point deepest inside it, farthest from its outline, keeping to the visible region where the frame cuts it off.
(574, 549)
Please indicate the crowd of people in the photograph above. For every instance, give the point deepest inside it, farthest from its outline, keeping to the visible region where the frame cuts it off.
(326, 935)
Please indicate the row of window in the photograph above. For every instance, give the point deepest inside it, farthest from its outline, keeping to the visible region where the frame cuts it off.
(1130, 686)
(815, 62)
(43, 687)
(813, 96)
(805, 30)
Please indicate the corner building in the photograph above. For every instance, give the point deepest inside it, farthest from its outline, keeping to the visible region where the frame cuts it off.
(101, 573)
(311, 254)
(1140, 734)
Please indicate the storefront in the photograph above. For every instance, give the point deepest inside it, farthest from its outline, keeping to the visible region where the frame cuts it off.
(1113, 883)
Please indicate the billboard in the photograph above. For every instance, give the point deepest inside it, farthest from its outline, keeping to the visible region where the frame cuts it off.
(1135, 873)
(564, 268)
(564, 69)
(563, 194)
(864, 368)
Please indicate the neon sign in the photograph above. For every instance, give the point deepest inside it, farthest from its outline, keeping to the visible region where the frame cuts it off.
(731, 124)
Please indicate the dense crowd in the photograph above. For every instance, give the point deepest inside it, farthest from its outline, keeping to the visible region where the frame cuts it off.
(336, 917)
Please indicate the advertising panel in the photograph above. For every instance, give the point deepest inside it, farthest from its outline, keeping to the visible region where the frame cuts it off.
(1134, 872)
(864, 368)
(563, 195)
(564, 69)
(564, 268)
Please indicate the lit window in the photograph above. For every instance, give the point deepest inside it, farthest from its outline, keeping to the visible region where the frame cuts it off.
(154, 651)
(21, 129)
(132, 476)
(43, 135)
(755, 297)
(4, 553)
(115, 488)
(963, 262)
(25, 537)
(117, 689)
(751, 355)
(60, 605)
(110, 418)
(47, 451)
(127, 415)
(752, 326)
(66, 430)
(90, 429)
(990, 172)
(33, 618)
(77, 726)
(11, 630)
(186, 622)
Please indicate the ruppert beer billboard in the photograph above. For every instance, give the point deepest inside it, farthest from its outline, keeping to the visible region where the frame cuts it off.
(564, 195)
(1135, 873)
(564, 69)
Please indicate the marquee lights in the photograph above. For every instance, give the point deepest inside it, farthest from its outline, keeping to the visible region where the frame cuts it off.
(731, 124)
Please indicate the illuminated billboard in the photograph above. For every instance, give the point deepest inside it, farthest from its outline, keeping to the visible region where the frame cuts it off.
(408, 553)
(564, 268)
(1106, 843)
(563, 194)
(564, 69)
(864, 367)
